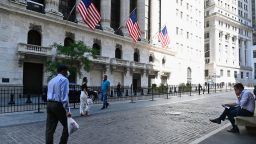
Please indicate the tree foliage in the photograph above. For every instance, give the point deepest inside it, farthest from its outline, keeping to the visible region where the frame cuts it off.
(75, 55)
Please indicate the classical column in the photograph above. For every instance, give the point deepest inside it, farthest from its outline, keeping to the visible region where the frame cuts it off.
(141, 12)
(154, 20)
(52, 8)
(105, 9)
(124, 15)
(249, 53)
(242, 54)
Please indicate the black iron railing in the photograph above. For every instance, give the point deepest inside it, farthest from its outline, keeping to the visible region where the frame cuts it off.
(14, 98)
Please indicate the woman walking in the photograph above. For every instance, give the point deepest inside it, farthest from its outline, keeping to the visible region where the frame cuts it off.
(84, 108)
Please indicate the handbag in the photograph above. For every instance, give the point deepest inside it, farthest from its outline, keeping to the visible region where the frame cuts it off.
(89, 101)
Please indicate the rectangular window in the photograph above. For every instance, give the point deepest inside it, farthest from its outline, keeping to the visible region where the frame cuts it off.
(207, 50)
(206, 35)
(228, 73)
(221, 72)
(235, 74)
(177, 31)
(207, 24)
(247, 75)
(206, 73)
(254, 54)
(242, 75)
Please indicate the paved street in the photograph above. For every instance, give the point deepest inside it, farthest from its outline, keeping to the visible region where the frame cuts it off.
(177, 120)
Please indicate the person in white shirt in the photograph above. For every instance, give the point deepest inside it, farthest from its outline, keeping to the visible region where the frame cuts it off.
(244, 106)
(57, 105)
(84, 107)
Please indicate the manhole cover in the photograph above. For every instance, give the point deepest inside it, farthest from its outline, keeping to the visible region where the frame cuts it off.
(173, 113)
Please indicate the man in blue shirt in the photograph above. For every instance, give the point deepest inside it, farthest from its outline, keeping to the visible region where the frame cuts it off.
(244, 106)
(57, 105)
(105, 88)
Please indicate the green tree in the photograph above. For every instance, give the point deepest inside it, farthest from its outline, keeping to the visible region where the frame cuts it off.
(76, 55)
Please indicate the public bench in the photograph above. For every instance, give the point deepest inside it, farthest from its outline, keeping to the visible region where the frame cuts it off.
(248, 122)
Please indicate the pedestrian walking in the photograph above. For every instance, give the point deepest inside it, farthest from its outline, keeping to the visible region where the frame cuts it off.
(118, 89)
(57, 105)
(244, 106)
(84, 107)
(105, 89)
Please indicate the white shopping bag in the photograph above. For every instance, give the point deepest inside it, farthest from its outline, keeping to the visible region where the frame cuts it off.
(72, 125)
(89, 101)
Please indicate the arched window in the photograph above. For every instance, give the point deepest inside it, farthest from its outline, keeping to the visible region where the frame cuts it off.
(151, 58)
(118, 52)
(136, 55)
(189, 78)
(34, 38)
(68, 41)
(97, 48)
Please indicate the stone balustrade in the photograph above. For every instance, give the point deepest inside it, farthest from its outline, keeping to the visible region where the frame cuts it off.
(119, 62)
(34, 49)
(101, 59)
(138, 65)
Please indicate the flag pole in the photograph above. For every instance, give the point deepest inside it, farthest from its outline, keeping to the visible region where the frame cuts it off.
(72, 10)
(125, 20)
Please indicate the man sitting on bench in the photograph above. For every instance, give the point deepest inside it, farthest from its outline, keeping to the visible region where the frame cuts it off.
(244, 106)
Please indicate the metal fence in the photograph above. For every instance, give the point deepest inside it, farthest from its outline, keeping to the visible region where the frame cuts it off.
(13, 98)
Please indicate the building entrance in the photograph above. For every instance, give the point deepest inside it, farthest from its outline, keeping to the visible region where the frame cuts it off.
(32, 78)
(136, 82)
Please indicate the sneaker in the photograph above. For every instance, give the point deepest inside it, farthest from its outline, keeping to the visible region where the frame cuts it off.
(107, 105)
(233, 130)
(217, 120)
(102, 108)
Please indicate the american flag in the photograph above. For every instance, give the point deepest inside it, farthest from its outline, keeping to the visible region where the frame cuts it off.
(133, 27)
(89, 13)
(163, 37)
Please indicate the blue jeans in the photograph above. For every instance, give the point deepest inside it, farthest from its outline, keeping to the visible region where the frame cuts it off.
(104, 98)
(233, 112)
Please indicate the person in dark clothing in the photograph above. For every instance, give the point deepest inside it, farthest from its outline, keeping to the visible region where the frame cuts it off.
(118, 90)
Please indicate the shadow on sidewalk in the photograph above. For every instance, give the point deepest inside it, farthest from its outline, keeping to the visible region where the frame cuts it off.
(223, 137)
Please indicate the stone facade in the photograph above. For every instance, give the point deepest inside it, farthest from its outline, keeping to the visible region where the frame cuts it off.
(170, 65)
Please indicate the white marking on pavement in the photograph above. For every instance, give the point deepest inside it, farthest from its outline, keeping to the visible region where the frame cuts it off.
(210, 134)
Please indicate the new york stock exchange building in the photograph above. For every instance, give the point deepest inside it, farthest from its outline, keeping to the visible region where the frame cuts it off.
(29, 28)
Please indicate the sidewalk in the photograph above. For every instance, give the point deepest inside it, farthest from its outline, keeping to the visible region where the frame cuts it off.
(224, 137)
